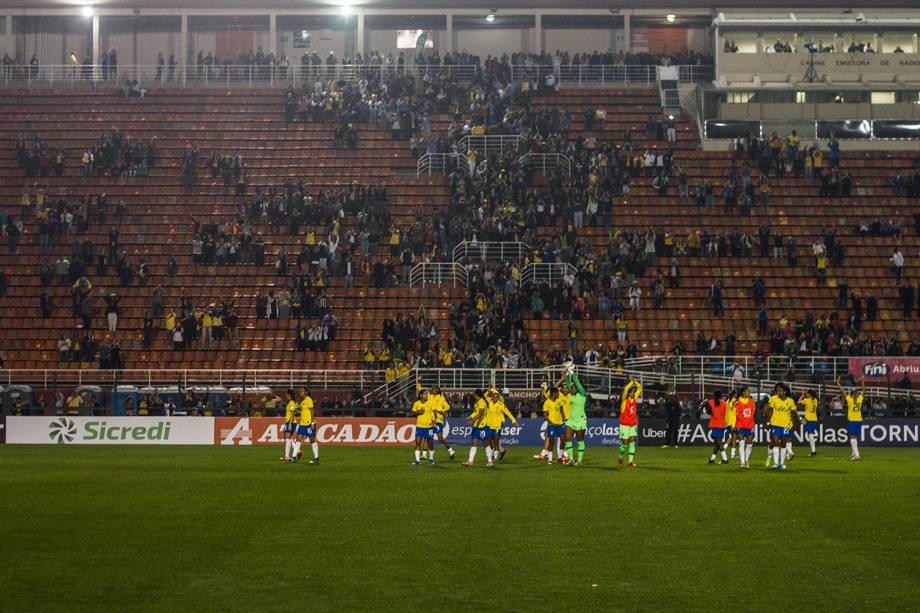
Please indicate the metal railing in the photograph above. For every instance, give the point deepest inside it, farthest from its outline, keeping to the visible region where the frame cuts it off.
(551, 273)
(496, 251)
(490, 144)
(546, 162)
(438, 273)
(220, 75)
(440, 162)
(618, 74)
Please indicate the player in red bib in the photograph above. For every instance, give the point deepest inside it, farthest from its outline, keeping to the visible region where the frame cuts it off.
(629, 421)
(717, 408)
(744, 425)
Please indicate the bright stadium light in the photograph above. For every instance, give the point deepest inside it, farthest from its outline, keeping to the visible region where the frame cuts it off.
(345, 9)
(490, 17)
(87, 10)
(671, 18)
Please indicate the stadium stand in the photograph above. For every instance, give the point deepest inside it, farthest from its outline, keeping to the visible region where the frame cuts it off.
(162, 212)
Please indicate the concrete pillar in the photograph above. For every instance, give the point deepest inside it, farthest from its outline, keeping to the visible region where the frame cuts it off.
(183, 39)
(449, 34)
(537, 42)
(627, 33)
(360, 38)
(273, 34)
(9, 41)
(95, 44)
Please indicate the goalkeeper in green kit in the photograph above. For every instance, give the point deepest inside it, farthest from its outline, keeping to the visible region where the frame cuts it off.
(577, 422)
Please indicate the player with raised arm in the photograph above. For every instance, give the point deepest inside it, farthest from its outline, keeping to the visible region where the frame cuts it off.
(854, 416)
(306, 429)
(783, 417)
(745, 410)
(717, 409)
(809, 402)
(479, 432)
(577, 423)
(441, 407)
(496, 412)
(555, 424)
(629, 421)
(289, 427)
(424, 422)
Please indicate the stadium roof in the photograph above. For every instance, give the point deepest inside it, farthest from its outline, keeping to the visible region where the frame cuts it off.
(481, 5)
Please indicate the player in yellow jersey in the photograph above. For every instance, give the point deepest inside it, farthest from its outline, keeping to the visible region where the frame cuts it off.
(854, 416)
(730, 413)
(477, 423)
(289, 427)
(424, 422)
(306, 428)
(565, 404)
(555, 424)
(782, 417)
(809, 403)
(441, 408)
(496, 412)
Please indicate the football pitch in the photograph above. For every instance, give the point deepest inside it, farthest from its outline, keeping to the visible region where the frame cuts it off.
(235, 529)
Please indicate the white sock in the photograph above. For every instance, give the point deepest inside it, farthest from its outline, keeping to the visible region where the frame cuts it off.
(473, 453)
(296, 449)
(724, 457)
(549, 456)
(789, 448)
(543, 453)
(747, 457)
(431, 454)
(450, 450)
(418, 455)
(424, 454)
(854, 446)
(776, 455)
(488, 454)
(712, 458)
(811, 442)
(742, 449)
(315, 447)
(287, 448)
(782, 455)
(558, 448)
(733, 452)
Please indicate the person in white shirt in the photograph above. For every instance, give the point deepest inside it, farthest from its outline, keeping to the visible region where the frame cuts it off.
(897, 263)
(635, 295)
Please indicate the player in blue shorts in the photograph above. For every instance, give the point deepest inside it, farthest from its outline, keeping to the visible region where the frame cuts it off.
(289, 427)
(424, 422)
(306, 428)
(479, 433)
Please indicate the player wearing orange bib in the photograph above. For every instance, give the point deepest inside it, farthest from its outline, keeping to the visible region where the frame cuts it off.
(717, 409)
(629, 421)
(744, 425)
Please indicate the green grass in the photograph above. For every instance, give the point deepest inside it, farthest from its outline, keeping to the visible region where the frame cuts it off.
(190, 529)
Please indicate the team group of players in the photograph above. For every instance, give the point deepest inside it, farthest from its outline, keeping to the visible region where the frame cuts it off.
(731, 423)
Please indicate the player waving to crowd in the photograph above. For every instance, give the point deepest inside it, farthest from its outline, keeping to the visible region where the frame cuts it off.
(629, 421)
(577, 422)
(854, 416)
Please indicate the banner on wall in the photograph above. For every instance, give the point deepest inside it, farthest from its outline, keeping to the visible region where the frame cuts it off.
(606, 432)
(351, 431)
(110, 430)
(882, 370)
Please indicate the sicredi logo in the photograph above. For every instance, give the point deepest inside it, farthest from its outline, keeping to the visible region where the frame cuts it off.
(67, 431)
(62, 430)
(876, 369)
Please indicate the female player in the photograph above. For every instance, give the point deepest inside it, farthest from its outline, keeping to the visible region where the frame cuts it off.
(479, 433)
(744, 425)
(289, 428)
(424, 422)
(629, 421)
(717, 409)
(809, 402)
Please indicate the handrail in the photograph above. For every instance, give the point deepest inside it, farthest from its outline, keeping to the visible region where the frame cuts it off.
(438, 273)
(246, 75)
(439, 162)
(487, 250)
(547, 272)
(490, 144)
(547, 161)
